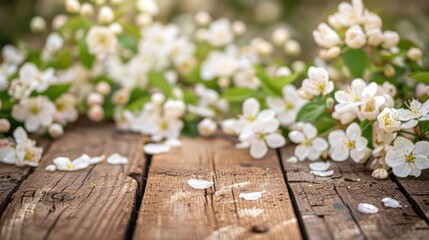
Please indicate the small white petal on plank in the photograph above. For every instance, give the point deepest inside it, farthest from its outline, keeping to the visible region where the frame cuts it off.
(323, 173)
(391, 203)
(51, 168)
(367, 208)
(319, 166)
(156, 148)
(116, 159)
(200, 184)
(98, 159)
(252, 196)
(292, 159)
(173, 143)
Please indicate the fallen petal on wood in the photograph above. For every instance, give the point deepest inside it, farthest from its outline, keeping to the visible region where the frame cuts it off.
(173, 143)
(98, 159)
(200, 184)
(116, 159)
(252, 196)
(391, 203)
(367, 208)
(51, 168)
(292, 159)
(320, 166)
(323, 173)
(156, 148)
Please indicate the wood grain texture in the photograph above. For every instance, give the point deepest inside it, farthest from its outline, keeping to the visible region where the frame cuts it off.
(417, 189)
(171, 209)
(328, 206)
(11, 176)
(94, 203)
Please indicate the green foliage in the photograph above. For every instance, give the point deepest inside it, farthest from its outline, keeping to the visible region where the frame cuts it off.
(240, 94)
(356, 60)
(266, 82)
(158, 80)
(325, 124)
(85, 57)
(190, 128)
(366, 127)
(137, 104)
(420, 77)
(189, 97)
(311, 111)
(54, 91)
(128, 42)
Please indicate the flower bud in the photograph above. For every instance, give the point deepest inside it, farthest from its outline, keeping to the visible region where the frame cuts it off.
(59, 21)
(103, 88)
(355, 37)
(330, 103)
(37, 24)
(280, 36)
(375, 36)
(202, 18)
(380, 173)
(206, 127)
(174, 108)
(389, 71)
(148, 6)
(87, 10)
(94, 99)
(292, 48)
(390, 39)
(158, 98)
(414, 54)
(116, 28)
(56, 130)
(4, 125)
(228, 126)
(283, 72)
(72, 6)
(121, 96)
(143, 20)
(239, 28)
(298, 66)
(331, 53)
(96, 113)
(105, 15)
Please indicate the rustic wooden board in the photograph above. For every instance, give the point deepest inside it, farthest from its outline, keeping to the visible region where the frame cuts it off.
(417, 190)
(11, 177)
(328, 206)
(95, 203)
(171, 209)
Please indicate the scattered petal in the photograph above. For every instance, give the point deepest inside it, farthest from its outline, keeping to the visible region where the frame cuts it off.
(98, 159)
(200, 184)
(367, 208)
(323, 173)
(116, 159)
(173, 143)
(292, 159)
(320, 166)
(156, 148)
(391, 203)
(252, 196)
(51, 168)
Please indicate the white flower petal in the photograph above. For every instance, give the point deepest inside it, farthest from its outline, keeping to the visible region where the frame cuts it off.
(275, 140)
(301, 151)
(8, 155)
(258, 149)
(421, 148)
(319, 166)
(410, 124)
(250, 107)
(319, 144)
(310, 131)
(401, 170)
(116, 159)
(292, 159)
(51, 168)
(200, 184)
(266, 115)
(323, 173)
(173, 143)
(63, 164)
(98, 159)
(353, 131)
(336, 137)
(391, 203)
(156, 148)
(242, 145)
(367, 208)
(252, 196)
(402, 144)
(340, 154)
(20, 135)
(421, 162)
(296, 136)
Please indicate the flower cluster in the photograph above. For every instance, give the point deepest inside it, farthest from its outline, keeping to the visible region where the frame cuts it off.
(364, 98)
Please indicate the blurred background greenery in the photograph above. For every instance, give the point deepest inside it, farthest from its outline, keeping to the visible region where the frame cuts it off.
(410, 18)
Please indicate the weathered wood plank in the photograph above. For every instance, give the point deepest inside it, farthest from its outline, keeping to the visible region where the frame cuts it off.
(171, 209)
(418, 190)
(11, 177)
(332, 204)
(95, 203)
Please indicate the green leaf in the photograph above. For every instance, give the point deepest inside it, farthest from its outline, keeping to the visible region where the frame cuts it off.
(137, 105)
(54, 91)
(190, 128)
(356, 60)
(266, 82)
(366, 127)
(158, 80)
(325, 125)
(189, 97)
(128, 42)
(420, 77)
(311, 111)
(130, 29)
(239, 94)
(279, 82)
(63, 60)
(138, 93)
(85, 57)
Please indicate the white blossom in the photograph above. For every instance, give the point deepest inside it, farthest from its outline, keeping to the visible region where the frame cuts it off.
(348, 144)
(309, 145)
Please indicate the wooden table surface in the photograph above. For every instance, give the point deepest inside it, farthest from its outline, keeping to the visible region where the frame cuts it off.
(149, 198)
